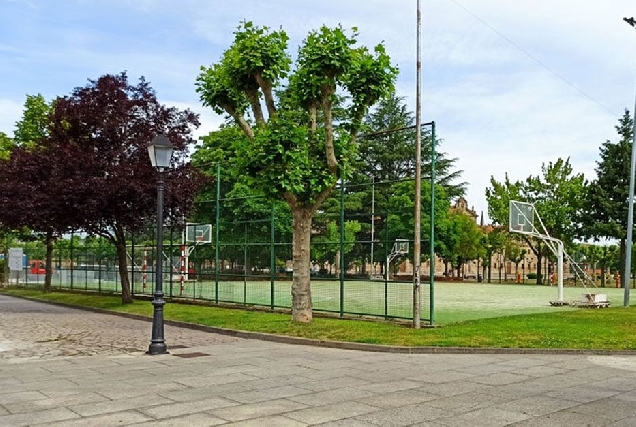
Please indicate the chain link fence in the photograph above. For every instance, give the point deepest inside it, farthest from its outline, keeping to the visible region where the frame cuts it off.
(354, 267)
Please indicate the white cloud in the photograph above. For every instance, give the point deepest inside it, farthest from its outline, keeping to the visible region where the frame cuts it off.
(488, 66)
(10, 113)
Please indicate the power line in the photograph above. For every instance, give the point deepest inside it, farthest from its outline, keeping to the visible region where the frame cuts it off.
(535, 59)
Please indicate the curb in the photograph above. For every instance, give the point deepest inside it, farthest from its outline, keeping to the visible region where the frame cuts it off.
(284, 339)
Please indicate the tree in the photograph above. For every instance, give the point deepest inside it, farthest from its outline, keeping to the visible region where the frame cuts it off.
(295, 151)
(35, 122)
(326, 246)
(515, 254)
(107, 126)
(468, 243)
(558, 197)
(6, 146)
(40, 192)
(34, 180)
(607, 256)
(400, 218)
(240, 203)
(387, 152)
(605, 213)
(494, 242)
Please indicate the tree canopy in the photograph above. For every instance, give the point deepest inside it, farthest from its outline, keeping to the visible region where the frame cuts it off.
(294, 149)
(558, 196)
(88, 168)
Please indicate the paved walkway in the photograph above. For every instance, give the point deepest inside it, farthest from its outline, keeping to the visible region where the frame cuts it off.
(66, 367)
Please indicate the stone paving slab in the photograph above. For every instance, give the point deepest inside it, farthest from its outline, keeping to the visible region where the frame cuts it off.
(67, 367)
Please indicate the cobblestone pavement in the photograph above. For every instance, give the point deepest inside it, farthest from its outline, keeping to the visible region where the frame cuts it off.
(31, 330)
(64, 367)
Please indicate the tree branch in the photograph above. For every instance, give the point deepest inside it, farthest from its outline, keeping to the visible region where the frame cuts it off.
(322, 196)
(240, 120)
(355, 123)
(107, 235)
(266, 87)
(291, 199)
(327, 107)
(255, 102)
(313, 118)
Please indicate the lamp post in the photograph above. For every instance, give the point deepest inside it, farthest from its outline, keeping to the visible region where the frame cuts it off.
(160, 151)
(630, 212)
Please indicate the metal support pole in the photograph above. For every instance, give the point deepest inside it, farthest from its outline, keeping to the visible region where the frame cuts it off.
(630, 212)
(72, 260)
(272, 259)
(342, 255)
(132, 264)
(417, 235)
(560, 270)
(158, 343)
(432, 230)
(372, 224)
(216, 233)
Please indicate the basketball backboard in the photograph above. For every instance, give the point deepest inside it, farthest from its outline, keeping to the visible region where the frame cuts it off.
(198, 233)
(401, 246)
(521, 217)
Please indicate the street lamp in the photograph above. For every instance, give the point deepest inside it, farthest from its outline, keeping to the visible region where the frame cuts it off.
(160, 152)
(630, 212)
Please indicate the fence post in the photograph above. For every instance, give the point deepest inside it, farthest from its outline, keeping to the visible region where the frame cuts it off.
(387, 270)
(170, 263)
(431, 290)
(342, 257)
(132, 263)
(86, 263)
(59, 263)
(216, 233)
(245, 267)
(272, 259)
(99, 265)
(72, 261)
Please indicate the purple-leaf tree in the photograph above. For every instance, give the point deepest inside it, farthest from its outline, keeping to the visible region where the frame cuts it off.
(111, 122)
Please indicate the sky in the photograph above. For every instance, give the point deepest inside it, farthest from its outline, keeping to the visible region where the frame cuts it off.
(511, 85)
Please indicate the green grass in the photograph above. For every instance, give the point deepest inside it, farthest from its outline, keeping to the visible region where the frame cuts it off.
(454, 302)
(610, 328)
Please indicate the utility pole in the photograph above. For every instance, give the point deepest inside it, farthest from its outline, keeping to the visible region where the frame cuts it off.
(630, 212)
(417, 238)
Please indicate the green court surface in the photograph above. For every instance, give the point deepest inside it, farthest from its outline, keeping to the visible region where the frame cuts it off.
(453, 301)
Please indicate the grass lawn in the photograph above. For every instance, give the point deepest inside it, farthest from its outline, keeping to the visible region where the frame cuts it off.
(454, 302)
(609, 328)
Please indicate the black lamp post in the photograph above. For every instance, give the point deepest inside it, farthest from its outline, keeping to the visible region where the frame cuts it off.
(160, 151)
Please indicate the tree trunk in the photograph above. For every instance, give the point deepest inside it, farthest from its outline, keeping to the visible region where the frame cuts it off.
(301, 285)
(539, 259)
(120, 244)
(603, 276)
(48, 261)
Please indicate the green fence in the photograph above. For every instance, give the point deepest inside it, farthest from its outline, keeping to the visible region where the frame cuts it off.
(249, 260)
